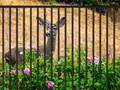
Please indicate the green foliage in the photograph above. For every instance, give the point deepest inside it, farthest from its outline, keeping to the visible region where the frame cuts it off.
(51, 2)
(66, 69)
(86, 2)
(100, 2)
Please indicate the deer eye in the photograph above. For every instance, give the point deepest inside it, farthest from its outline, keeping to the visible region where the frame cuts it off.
(54, 28)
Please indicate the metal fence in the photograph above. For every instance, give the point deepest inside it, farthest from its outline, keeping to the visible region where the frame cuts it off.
(59, 47)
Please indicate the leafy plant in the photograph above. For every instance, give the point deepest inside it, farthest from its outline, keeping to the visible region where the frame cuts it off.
(69, 71)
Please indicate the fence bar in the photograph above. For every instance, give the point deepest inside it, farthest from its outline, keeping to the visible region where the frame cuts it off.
(58, 46)
(38, 85)
(10, 47)
(107, 48)
(3, 83)
(79, 53)
(114, 47)
(100, 46)
(44, 48)
(65, 45)
(72, 49)
(23, 45)
(93, 48)
(86, 45)
(30, 48)
(16, 48)
(51, 43)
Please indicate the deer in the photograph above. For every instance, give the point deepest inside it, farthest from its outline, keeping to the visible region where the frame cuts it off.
(51, 34)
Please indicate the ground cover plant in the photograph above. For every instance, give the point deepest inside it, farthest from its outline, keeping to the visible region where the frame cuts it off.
(70, 66)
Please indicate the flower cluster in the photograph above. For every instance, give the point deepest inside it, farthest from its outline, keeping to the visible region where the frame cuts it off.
(14, 71)
(26, 71)
(96, 60)
(34, 47)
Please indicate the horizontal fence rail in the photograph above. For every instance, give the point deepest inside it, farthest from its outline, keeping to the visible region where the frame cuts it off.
(59, 47)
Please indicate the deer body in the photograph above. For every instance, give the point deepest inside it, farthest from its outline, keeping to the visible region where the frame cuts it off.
(51, 32)
(11, 59)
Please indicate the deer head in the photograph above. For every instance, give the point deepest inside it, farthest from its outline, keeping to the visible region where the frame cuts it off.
(51, 29)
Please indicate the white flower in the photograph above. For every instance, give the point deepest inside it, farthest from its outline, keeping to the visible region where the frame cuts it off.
(21, 53)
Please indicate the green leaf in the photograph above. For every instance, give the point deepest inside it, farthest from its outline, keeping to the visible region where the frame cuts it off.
(97, 84)
(46, 74)
(59, 81)
(82, 86)
(75, 83)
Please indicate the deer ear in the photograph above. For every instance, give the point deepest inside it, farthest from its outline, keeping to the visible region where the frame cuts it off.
(41, 21)
(61, 22)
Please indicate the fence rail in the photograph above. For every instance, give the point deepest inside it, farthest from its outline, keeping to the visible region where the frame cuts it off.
(59, 47)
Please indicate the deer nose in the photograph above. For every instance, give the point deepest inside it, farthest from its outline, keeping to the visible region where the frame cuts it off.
(47, 34)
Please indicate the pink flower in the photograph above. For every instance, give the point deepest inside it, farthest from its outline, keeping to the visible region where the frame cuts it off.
(59, 62)
(107, 53)
(19, 72)
(95, 58)
(26, 70)
(62, 54)
(96, 61)
(27, 48)
(0, 72)
(89, 58)
(50, 84)
(35, 48)
(12, 72)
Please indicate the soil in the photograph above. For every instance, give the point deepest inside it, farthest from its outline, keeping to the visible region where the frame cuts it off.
(75, 33)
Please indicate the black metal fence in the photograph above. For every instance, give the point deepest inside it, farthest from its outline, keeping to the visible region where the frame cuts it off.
(59, 47)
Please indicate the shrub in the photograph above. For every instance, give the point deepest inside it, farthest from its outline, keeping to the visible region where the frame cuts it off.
(36, 71)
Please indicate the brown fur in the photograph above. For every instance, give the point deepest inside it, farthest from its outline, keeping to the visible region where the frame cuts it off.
(11, 59)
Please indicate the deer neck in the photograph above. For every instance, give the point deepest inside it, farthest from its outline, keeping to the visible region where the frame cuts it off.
(50, 46)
